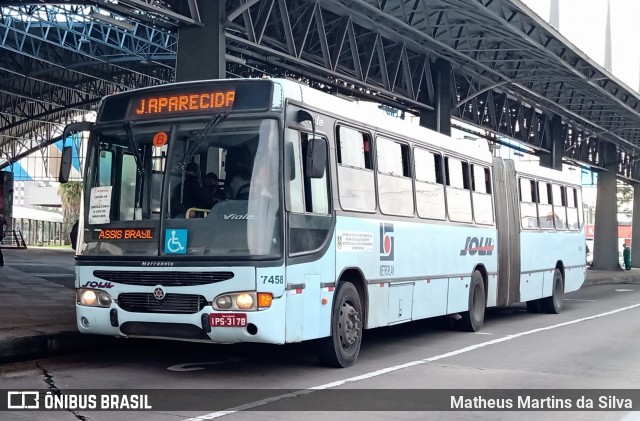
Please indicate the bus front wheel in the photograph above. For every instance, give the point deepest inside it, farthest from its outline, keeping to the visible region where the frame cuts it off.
(473, 319)
(341, 348)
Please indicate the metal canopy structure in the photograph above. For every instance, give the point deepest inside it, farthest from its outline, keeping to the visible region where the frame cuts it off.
(511, 74)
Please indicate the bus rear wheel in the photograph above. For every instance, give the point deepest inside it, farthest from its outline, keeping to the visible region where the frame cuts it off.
(473, 319)
(341, 348)
(553, 304)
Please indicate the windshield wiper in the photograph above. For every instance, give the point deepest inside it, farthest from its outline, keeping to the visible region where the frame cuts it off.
(197, 140)
(193, 147)
(134, 147)
(137, 210)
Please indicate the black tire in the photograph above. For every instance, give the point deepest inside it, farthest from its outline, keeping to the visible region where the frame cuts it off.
(473, 319)
(553, 304)
(534, 306)
(342, 347)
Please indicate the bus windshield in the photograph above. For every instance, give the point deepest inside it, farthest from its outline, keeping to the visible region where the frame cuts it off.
(198, 188)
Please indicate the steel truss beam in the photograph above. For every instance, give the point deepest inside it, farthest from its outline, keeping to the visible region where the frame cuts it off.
(163, 13)
(512, 72)
(57, 63)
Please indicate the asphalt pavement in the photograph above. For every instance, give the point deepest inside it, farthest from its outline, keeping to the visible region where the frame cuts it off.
(37, 303)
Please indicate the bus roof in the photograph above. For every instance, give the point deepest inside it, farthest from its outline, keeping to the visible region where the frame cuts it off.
(569, 174)
(369, 115)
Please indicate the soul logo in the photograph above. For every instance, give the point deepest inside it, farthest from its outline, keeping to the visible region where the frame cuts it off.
(482, 246)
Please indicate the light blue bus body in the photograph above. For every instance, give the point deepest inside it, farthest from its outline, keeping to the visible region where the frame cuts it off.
(415, 224)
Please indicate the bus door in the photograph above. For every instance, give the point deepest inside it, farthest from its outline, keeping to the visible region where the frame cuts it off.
(508, 226)
(310, 270)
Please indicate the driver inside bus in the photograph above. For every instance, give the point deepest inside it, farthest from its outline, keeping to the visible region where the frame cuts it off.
(212, 192)
(191, 196)
(239, 186)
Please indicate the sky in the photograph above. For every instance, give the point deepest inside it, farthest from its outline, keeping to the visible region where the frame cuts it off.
(583, 23)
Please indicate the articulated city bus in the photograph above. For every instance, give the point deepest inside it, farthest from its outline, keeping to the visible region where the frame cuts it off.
(262, 210)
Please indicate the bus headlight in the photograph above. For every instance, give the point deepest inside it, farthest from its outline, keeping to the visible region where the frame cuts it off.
(224, 302)
(244, 301)
(93, 298)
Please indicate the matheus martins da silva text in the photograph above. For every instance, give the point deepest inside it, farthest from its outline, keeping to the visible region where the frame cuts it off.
(549, 402)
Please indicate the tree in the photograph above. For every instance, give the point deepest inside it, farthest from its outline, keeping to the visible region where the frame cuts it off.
(625, 199)
(70, 194)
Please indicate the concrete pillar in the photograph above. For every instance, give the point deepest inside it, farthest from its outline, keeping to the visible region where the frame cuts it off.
(553, 159)
(201, 49)
(440, 118)
(605, 238)
(635, 228)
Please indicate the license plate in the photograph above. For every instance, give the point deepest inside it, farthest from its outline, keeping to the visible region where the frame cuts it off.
(228, 320)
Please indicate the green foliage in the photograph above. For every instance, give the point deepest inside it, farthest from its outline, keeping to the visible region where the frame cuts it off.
(625, 199)
(70, 195)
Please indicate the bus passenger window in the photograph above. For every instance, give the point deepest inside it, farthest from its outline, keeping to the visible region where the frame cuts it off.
(487, 180)
(578, 194)
(354, 148)
(465, 176)
(572, 209)
(356, 186)
(429, 185)
(528, 212)
(559, 207)
(395, 189)
(437, 163)
(545, 206)
(482, 201)
(458, 196)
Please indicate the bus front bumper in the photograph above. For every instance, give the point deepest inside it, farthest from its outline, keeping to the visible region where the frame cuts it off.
(264, 326)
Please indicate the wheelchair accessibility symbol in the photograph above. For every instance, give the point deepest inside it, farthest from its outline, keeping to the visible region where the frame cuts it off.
(175, 241)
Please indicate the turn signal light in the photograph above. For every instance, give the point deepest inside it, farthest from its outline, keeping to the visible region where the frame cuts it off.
(264, 299)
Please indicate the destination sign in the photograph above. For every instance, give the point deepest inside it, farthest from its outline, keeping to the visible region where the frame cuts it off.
(187, 99)
(154, 105)
(124, 234)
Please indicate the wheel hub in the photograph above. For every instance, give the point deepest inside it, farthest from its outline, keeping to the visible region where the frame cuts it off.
(349, 325)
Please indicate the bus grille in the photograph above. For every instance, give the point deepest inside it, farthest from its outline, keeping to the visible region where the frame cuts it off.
(172, 278)
(140, 302)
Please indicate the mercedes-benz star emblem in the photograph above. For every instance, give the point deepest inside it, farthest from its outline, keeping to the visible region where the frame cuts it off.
(158, 293)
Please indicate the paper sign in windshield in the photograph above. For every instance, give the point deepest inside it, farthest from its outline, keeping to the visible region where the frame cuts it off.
(100, 205)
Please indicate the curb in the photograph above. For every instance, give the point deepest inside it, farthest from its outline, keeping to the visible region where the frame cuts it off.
(47, 345)
(613, 280)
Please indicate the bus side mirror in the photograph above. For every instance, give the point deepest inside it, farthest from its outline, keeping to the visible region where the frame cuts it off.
(65, 164)
(303, 116)
(316, 158)
(67, 151)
